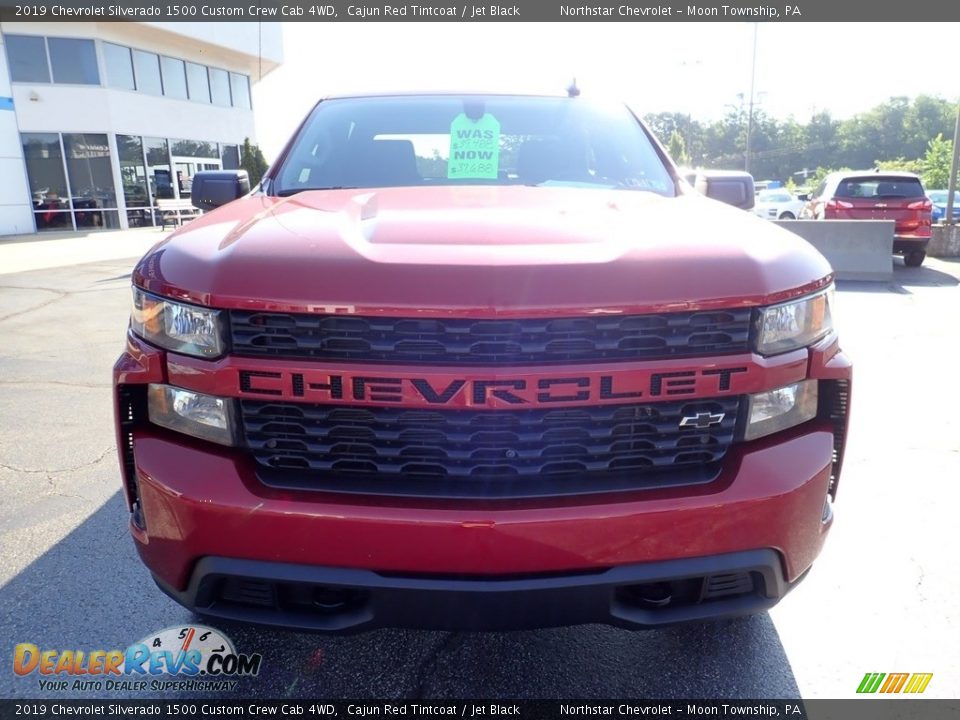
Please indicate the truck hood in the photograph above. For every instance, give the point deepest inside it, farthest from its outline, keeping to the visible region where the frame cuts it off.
(483, 250)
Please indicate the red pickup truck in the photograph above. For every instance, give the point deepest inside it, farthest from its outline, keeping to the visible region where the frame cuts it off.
(478, 362)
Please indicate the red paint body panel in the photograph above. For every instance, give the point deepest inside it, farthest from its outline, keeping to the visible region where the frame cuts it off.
(908, 222)
(481, 252)
(202, 503)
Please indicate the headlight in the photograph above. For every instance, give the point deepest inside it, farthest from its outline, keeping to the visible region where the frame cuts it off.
(775, 410)
(203, 416)
(796, 324)
(186, 329)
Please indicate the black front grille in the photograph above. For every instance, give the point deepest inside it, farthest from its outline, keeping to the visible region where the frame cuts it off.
(488, 453)
(490, 342)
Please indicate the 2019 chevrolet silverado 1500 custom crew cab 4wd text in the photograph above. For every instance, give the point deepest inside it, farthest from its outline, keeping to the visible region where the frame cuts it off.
(478, 361)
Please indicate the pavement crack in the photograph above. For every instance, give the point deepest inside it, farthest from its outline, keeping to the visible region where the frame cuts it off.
(426, 668)
(60, 296)
(54, 491)
(66, 383)
(44, 471)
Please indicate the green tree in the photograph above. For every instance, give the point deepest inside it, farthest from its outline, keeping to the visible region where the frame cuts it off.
(935, 165)
(253, 162)
(678, 149)
(665, 124)
(819, 174)
(899, 163)
(898, 130)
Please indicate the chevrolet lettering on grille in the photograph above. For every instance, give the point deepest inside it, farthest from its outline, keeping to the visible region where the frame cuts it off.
(449, 390)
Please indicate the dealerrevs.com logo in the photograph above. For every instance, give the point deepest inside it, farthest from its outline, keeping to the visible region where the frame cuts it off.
(190, 657)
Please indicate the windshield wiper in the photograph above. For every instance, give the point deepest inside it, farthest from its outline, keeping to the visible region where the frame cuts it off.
(293, 191)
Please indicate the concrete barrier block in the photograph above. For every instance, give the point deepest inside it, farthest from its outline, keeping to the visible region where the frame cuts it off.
(944, 241)
(857, 249)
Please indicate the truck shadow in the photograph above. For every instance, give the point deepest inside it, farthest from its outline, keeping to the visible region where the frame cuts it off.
(734, 659)
(90, 592)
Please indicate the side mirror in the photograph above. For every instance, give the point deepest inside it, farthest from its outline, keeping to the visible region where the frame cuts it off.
(728, 186)
(213, 188)
(803, 196)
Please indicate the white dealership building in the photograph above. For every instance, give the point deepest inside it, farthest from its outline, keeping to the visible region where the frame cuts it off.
(100, 120)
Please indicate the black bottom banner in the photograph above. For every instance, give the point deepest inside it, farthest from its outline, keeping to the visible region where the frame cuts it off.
(867, 709)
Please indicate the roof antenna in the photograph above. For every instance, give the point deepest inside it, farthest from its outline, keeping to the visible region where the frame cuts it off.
(572, 89)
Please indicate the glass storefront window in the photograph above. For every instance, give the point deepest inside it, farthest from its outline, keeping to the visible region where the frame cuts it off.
(27, 57)
(190, 157)
(230, 156)
(220, 87)
(73, 61)
(119, 66)
(193, 148)
(89, 169)
(174, 78)
(133, 175)
(240, 88)
(147, 66)
(48, 184)
(198, 84)
(159, 179)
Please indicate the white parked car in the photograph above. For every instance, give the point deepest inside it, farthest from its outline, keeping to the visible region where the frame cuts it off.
(777, 204)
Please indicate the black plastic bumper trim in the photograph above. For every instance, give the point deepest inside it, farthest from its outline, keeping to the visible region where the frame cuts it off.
(376, 600)
(903, 244)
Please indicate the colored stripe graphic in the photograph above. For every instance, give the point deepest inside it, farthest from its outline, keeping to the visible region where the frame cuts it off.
(918, 682)
(894, 683)
(870, 682)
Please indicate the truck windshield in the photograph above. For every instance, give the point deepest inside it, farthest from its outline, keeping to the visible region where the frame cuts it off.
(422, 141)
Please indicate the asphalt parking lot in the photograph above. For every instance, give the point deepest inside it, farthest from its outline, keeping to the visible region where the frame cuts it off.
(882, 597)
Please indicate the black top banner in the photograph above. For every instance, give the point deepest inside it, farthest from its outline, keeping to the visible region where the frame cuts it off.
(500, 11)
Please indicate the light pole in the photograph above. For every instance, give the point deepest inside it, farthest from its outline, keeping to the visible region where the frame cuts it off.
(952, 183)
(753, 78)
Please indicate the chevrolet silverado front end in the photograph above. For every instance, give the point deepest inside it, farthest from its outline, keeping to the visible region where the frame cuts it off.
(402, 385)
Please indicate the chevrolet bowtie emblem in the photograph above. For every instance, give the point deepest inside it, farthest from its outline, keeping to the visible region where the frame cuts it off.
(701, 421)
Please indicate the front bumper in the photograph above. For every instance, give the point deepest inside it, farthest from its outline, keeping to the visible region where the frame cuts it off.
(346, 600)
(209, 526)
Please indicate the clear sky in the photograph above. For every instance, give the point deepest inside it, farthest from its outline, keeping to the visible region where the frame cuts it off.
(696, 68)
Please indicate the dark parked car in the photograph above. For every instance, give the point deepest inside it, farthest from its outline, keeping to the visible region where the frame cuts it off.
(873, 195)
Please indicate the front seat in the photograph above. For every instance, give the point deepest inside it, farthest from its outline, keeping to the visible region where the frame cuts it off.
(541, 160)
(383, 163)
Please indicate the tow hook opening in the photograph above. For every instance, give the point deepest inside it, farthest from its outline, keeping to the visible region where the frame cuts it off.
(327, 600)
(689, 591)
(656, 594)
(332, 599)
